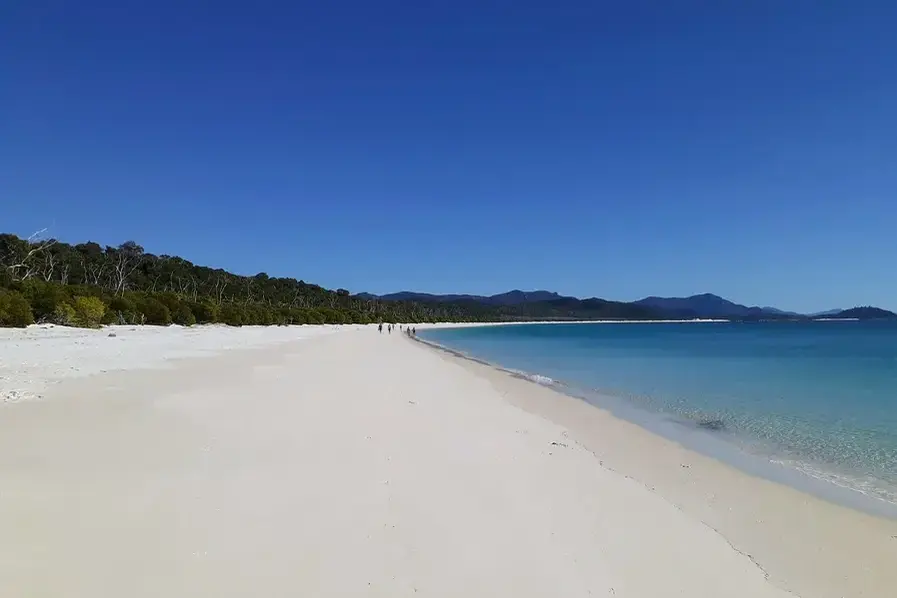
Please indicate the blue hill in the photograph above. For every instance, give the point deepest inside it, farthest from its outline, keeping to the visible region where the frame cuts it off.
(707, 305)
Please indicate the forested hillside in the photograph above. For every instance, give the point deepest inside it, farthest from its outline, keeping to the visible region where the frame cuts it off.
(866, 312)
(44, 280)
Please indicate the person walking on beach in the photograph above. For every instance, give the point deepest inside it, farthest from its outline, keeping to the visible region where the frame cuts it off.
(380, 327)
(390, 328)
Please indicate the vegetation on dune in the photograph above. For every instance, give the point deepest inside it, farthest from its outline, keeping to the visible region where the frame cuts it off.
(89, 311)
(14, 309)
(44, 280)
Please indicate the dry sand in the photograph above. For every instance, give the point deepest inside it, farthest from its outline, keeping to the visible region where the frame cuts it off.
(315, 462)
(34, 359)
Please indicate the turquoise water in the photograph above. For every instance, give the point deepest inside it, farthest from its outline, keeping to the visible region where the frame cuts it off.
(816, 398)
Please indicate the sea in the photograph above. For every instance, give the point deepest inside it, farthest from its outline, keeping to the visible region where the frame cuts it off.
(809, 404)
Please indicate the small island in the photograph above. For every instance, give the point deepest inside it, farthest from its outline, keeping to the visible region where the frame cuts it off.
(862, 313)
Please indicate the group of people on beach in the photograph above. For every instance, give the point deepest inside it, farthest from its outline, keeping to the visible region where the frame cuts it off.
(409, 330)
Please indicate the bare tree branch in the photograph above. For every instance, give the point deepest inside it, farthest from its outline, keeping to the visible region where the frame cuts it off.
(22, 262)
(126, 258)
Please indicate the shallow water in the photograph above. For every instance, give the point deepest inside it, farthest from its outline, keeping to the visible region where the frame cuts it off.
(818, 398)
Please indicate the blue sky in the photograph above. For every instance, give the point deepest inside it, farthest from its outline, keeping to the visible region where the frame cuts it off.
(612, 149)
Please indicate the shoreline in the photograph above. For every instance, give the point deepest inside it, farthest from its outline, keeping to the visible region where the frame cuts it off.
(822, 536)
(688, 434)
(270, 471)
(429, 325)
(422, 470)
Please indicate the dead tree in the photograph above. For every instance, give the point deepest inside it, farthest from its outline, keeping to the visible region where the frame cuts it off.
(299, 299)
(48, 265)
(126, 258)
(64, 273)
(94, 270)
(220, 286)
(22, 257)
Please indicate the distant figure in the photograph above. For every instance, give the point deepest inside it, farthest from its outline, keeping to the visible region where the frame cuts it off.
(414, 331)
(390, 328)
(380, 327)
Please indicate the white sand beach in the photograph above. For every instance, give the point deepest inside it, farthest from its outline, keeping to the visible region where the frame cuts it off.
(305, 461)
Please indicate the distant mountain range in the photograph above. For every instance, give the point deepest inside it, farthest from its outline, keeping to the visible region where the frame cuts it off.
(706, 306)
(703, 306)
(510, 298)
(825, 314)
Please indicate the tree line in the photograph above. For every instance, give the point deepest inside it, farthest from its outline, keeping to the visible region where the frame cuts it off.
(46, 280)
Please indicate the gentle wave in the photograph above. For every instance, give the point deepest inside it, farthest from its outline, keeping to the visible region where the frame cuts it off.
(869, 487)
(540, 379)
(716, 427)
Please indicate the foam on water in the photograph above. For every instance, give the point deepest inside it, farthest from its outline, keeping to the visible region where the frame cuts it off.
(539, 379)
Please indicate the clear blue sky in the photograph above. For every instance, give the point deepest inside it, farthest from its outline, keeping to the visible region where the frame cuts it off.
(612, 149)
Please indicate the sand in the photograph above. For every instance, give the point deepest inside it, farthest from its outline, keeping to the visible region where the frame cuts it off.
(806, 545)
(341, 462)
(36, 358)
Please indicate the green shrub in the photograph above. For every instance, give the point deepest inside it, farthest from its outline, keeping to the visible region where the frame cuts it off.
(152, 311)
(296, 316)
(359, 318)
(64, 315)
(281, 315)
(122, 304)
(332, 316)
(183, 315)
(204, 312)
(89, 311)
(121, 310)
(44, 298)
(231, 314)
(261, 315)
(313, 316)
(6, 279)
(169, 300)
(83, 290)
(15, 310)
(250, 315)
(112, 317)
(255, 315)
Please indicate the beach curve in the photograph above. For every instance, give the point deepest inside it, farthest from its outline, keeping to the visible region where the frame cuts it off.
(343, 464)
